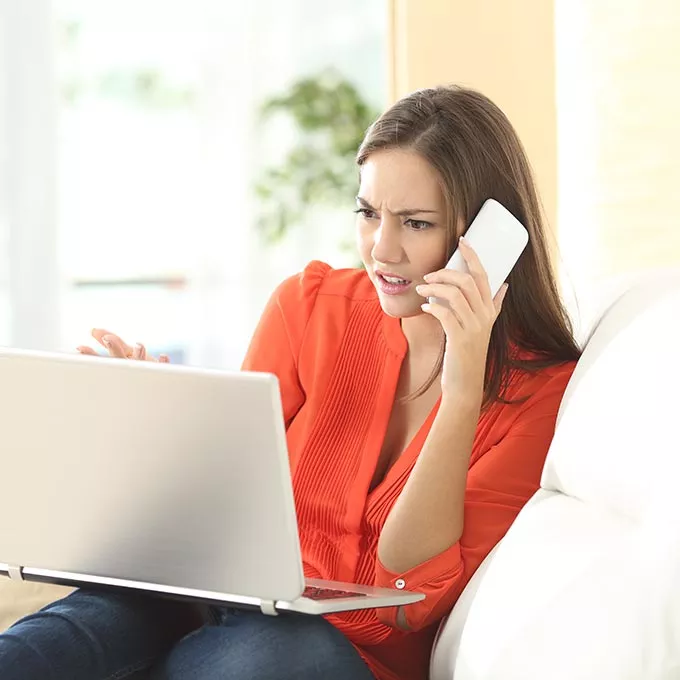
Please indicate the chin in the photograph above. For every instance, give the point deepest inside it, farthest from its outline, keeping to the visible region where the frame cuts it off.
(400, 310)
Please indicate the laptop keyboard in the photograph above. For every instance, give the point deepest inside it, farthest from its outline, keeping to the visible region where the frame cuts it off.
(328, 593)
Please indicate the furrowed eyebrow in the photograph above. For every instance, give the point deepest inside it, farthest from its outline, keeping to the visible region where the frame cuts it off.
(402, 213)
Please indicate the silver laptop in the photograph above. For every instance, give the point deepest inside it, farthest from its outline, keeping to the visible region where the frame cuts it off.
(157, 478)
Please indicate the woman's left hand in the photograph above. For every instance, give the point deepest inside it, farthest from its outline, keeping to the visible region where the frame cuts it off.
(467, 321)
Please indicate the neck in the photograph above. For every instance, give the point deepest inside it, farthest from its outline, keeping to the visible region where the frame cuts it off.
(423, 333)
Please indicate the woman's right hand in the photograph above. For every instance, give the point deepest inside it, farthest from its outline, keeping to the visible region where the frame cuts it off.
(117, 347)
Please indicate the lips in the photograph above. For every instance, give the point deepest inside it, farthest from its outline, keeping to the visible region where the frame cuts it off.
(391, 277)
(392, 284)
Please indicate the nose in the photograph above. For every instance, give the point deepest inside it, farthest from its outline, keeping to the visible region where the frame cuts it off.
(387, 241)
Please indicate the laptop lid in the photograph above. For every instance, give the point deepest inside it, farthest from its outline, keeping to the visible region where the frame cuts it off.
(148, 473)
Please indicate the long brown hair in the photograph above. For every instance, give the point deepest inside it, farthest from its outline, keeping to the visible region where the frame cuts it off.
(477, 154)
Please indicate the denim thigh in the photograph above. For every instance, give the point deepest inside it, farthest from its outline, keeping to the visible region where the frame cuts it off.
(248, 645)
(94, 635)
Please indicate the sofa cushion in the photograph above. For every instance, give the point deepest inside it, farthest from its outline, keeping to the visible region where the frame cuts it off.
(617, 427)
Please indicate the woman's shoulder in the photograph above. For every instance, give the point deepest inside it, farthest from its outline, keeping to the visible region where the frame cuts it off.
(547, 382)
(320, 280)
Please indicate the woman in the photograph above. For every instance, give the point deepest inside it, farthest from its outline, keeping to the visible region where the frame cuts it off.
(416, 431)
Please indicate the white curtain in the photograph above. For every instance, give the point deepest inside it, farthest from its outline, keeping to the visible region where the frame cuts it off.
(29, 272)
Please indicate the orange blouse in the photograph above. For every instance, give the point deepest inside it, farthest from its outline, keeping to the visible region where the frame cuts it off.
(338, 357)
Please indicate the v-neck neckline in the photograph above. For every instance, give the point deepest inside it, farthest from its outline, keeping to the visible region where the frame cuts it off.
(408, 455)
(398, 346)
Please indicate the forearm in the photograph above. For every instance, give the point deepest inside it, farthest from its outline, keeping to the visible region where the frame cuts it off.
(427, 518)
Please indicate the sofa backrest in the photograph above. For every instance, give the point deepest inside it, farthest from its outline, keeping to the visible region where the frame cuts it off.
(586, 583)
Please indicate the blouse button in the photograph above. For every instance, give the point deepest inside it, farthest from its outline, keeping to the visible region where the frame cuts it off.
(400, 583)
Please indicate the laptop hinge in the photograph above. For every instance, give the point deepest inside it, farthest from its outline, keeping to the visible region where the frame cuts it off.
(15, 573)
(268, 607)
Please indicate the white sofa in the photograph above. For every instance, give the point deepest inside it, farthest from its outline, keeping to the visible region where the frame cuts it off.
(586, 583)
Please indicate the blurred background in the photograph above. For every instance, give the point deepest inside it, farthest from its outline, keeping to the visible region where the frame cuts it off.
(164, 164)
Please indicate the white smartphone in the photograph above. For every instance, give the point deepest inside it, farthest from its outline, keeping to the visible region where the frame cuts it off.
(498, 238)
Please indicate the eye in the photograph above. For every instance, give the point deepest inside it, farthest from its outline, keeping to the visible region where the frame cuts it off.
(366, 213)
(418, 225)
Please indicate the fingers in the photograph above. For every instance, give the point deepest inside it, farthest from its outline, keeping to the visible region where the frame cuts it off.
(475, 268)
(468, 295)
(454, 298)
(474, 283)
(139, 352)
(447, 316)
(500, 296)
(460, 292)
(115, 346)
(100, 333)
(119, 349)
(447, 280)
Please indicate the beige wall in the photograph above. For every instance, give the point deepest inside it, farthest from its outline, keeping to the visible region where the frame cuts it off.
(619, 137)
(504, 48)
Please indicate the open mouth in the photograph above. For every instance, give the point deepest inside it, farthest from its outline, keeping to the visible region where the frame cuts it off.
(392, 285)
(394, 280)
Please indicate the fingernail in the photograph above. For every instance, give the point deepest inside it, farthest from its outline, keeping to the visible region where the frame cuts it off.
(462, 240)
(425, 306)
(419, 288)
(427, 277)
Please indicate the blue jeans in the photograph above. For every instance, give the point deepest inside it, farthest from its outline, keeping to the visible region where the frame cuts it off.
(110, 636)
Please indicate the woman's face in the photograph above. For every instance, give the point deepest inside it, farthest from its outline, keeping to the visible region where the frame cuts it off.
(401, 229)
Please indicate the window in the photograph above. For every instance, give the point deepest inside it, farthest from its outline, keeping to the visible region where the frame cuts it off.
(158, 145)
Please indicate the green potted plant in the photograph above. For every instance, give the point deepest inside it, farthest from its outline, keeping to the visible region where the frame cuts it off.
(331, 118)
